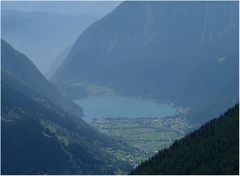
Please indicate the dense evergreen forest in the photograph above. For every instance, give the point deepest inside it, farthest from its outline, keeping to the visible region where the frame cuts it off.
(212, 149)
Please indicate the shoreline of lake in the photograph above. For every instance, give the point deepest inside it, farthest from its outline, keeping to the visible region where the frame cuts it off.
(95, 107)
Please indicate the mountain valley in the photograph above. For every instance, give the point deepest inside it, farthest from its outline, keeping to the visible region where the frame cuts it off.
(150, 88)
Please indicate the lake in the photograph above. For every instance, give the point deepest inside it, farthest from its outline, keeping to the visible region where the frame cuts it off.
(95, 107)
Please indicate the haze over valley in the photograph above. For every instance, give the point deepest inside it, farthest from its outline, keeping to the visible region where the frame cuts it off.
(109, 88)
(42, 30)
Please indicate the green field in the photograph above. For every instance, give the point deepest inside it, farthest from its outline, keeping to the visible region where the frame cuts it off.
(146, 135)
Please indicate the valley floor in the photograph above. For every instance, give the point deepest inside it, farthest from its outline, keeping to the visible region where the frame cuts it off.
(145, 135)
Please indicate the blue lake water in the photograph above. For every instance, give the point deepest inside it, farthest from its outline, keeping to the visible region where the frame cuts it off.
(95, 107)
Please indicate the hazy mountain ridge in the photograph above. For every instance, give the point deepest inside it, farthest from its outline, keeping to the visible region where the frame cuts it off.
(42, 35)
(178, 51)
(57, 62)
(184, 54)
(63, 7)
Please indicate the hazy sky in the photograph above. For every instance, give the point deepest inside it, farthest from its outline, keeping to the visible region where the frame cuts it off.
(42, 51)
(96, 8)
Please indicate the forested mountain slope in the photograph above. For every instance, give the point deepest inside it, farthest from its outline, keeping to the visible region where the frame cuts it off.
(37, 135)
(22, 69)
(212, 149)
(183, 52)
